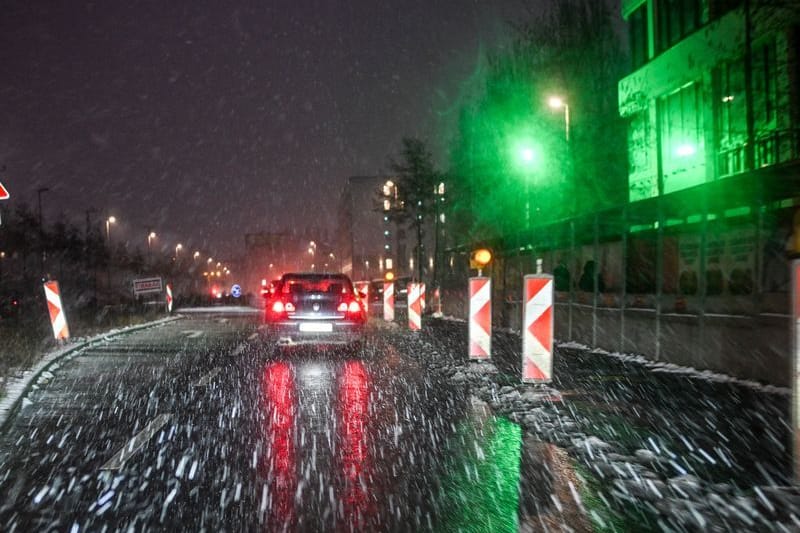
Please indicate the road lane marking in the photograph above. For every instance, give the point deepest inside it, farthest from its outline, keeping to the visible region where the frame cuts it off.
(239, 349)
(193, 333)
(205, 380)
(136, 442)
(253, 337)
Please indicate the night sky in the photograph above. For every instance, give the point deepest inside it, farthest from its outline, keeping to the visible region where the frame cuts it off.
(204, 121)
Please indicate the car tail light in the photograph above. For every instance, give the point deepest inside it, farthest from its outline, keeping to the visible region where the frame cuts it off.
(278, 307)
(353, 310)
(289, 307)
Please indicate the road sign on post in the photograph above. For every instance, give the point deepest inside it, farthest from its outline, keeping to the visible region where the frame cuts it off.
(414, 307)
(537, 332)
(57, 317)
(236, 291)
(147, 286)
(169, 298)
(796, 368)
(4, 194)
(480, 318)
(388, 301)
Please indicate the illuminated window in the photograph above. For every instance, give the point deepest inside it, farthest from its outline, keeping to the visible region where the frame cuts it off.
(637, 34)
(674, 20)
(682, 138)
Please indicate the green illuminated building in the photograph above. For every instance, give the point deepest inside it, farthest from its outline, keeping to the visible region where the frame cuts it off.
(695, 115)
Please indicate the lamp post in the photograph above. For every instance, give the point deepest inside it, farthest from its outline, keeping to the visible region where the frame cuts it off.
(178, 248)
(109, 221)
(150, 236)
(39, 192)
(527, 158)
(556, 102)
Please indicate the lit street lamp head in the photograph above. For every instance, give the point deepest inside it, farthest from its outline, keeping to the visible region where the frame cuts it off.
(556, 102)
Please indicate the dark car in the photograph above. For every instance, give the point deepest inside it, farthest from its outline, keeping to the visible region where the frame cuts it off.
(316, 309)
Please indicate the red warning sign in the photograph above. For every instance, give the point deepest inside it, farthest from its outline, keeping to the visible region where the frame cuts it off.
(4, 194)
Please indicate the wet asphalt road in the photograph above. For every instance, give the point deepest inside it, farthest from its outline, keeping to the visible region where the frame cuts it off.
(198, 425)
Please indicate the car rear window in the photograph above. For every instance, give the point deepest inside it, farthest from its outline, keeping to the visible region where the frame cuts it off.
(310, 283)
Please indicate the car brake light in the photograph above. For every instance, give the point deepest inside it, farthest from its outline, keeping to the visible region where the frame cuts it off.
(354, 307)
(342, 307)
(289, 307)
(277, 307)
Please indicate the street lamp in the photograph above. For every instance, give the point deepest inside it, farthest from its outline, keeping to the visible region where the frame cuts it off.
(556, 102)
(178, 248)
(196, 255)
(110, 220)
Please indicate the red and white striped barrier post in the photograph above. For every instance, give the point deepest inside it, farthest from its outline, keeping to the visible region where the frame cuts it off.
(422, 302)
(480, 318)
(169, 298)
(362, 288)
(57, 317)
(414, 307)
(437, 302)
(388, 301)
(796, 368)
(537, 321)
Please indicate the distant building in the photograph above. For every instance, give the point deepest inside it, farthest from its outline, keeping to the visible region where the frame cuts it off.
(267, 256)
(375, 242)
(366, 236)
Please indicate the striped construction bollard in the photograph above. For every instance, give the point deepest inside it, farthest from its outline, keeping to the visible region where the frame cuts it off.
(388, 301)
(169, 298)
(57, 317)
(537, 321)
(480, 318)
(422, 302)
(362, 288)
(437, 302)
(414, 307)
(795, 333)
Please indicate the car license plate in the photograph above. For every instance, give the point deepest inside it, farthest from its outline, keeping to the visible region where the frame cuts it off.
(316, 327)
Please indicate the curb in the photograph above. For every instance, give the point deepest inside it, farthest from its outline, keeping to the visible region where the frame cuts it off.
(16, 389)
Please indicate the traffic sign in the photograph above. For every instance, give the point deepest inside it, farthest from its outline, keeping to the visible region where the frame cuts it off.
(4, 194)
(236, 291)
(147, 286)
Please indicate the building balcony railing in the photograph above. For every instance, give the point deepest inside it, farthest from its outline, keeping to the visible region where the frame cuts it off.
(775, 147)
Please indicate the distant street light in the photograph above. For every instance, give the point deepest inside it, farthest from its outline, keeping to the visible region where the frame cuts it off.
(556, 102)
(150, 236)
(210, 260)
(196, 255)
(178, 248)
(110, 220)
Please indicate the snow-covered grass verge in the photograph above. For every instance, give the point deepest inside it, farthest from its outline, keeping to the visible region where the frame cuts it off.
(686, 371)
(16, 387)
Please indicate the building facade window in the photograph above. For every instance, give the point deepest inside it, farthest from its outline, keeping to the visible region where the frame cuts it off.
(682, 138)
(765, 87)
(637, 34)
(675, 19)
(732, 105)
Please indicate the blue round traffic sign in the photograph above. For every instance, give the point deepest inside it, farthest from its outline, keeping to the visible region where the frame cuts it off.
(236, 291)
